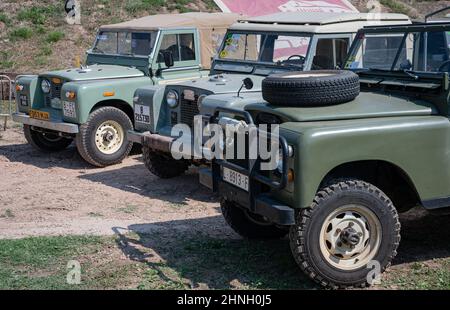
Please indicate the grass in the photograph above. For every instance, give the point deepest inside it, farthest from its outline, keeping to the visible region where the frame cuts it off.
(38, 15)
(166, 260)
(5, 62)
(21, 33)
(135, 6)
(129, 209)
(7, 214)
(395, 6)
(54, 36)
(5, 19)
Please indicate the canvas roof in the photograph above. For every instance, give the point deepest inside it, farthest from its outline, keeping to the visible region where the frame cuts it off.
(193, 19)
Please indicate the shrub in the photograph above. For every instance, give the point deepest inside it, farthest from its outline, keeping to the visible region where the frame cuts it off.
(4, 19)
(54, 36)
(21, 33)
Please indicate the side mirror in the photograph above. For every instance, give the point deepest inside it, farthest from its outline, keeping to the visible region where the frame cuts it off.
(248, 83)
(168, 58)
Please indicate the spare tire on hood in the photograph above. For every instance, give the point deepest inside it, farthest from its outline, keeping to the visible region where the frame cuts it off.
(310, 88)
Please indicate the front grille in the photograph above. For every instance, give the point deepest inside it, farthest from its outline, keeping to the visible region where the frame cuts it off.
(55, 92)
(188, 109)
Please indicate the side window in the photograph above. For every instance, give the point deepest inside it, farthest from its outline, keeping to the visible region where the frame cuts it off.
(170, 43)
(330, 52)
(187, 46)
(182, 46)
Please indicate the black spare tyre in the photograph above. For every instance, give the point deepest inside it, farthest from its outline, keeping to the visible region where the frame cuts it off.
(310, 88)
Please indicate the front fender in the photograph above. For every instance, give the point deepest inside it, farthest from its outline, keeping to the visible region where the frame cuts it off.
(417, 145)
(31, 90)
(89, 93)
(153, 97)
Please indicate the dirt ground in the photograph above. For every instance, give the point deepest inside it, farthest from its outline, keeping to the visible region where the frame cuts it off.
(59, 194)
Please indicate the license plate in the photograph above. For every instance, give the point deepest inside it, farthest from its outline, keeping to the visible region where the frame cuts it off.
(23, 100)
(237, 179)
(69, 109)
(142, 113)
(40, 115)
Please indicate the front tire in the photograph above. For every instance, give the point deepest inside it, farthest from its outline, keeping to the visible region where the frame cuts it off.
(163, 165)
(350, 226)
(249, 225)
(47, 142)
(102, 139)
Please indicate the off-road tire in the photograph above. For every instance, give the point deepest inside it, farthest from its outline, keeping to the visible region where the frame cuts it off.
(39, 141)
(85, 139)
(240, 222)
(305, 234)
(163, 165)
(310, 88)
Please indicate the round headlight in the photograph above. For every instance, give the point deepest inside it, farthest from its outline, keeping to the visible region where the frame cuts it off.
(280, 161)
(200, 101)
(172, 99)
(45, 86)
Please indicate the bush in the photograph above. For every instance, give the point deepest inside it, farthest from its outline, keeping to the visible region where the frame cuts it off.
(4, 19)
(54, 36)
(135, 6)
(21, 33)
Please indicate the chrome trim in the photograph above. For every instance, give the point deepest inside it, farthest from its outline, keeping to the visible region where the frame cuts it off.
(52, 125)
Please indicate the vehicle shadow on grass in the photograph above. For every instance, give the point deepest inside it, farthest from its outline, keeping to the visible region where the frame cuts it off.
(137, 179)
(205, 253)
(182, 254)
(25, 153)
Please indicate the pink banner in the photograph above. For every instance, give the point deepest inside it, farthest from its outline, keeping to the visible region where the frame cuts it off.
(264, 7)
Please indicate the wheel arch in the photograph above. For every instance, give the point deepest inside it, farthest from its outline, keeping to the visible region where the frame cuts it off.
(388, 177)
(116, 103)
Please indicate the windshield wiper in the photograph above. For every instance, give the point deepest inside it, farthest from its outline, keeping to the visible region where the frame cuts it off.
(411, 74)
(405, 71)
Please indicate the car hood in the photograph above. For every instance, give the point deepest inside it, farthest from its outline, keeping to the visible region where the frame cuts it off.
(222, 83)
(365, 105)
(94, 72)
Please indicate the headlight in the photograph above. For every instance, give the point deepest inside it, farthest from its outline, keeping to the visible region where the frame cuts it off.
(172, 99)
(280, 161)
(200, 101)
(45, 86)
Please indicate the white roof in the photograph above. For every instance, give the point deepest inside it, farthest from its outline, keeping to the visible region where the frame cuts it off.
(318, 22)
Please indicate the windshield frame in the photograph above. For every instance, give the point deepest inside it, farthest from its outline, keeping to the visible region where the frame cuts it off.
(405, 30)
(154, 37)
(259, 62)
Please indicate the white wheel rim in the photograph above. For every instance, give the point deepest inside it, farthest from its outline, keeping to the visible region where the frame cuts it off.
(109, 137)
(350, 237)
(306, 75)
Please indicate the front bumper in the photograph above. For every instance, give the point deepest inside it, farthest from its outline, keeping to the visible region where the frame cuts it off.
(153, 141)
(51, 125)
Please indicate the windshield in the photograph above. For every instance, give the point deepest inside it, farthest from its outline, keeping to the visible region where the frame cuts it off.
(416, 51)
(124, 43)
(270, 48)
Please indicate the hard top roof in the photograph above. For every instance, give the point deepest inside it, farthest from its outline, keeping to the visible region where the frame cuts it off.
(320, 18)
(417, 27)
(160, 21)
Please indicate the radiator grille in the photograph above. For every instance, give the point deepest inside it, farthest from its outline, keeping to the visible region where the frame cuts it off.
(55, 92)
(188, 109)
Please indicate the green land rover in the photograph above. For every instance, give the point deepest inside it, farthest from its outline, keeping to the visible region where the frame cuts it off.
(93, 104)
(372, 142)
(254, 47)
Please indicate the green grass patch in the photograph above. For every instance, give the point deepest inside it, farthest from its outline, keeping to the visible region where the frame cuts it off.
(5, 62)
(5, 19)
(136, 6)
(54, 36)
(395, 6)
(21, 33)
(129, 209)
(38, 15)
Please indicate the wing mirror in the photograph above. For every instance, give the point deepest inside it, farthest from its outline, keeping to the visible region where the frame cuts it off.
(247, 83)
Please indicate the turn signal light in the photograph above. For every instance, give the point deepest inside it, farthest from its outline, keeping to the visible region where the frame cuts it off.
(290, 175)
(19, 87)
(70, 95)
(108, 94)
(56, 80)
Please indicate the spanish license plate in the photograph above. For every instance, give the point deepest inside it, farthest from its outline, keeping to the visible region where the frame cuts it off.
(142, 113)
(237, 179)
(23, 100)
(40, 115)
